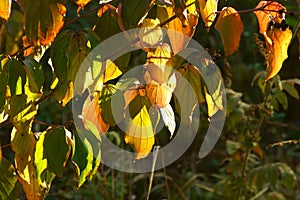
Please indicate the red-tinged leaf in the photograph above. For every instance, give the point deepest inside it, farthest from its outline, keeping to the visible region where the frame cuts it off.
(277, 46)
(230, 27)
(268, 13)
(43, 20)
(92, 112)
(176, 30)
(207, 10)
(5, 8)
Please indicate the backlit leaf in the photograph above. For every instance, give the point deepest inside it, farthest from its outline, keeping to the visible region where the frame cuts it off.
(214, 101)
(230, 27)
(139, 132)
(267, 14)
(150, 34)
(81, 3)
(43, 20)
(168, 117)
(160, 94)
(3, 82)
(176, 30)
(207, 10)
(5, 8)
(92, 112)
(277, 47)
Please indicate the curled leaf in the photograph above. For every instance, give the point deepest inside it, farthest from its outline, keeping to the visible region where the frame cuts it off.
(230, 27)
(277, 47)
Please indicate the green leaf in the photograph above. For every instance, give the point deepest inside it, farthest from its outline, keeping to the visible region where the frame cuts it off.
(52, 151)
(3, 82)
(133, 11)
(17, 77)
(232, 146)
(43, 20)
(288, 177)
(35, 74)
(86, 155)
(137, 104)
(108, 19)
(290, 89)
(282, 99)
(105, 104)
(8, 178)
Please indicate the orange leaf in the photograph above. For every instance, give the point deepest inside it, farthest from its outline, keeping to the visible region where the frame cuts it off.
(176, 30)
(81, 3)
(269, 12)
(5, 8)
(207, 10)
(230, 27)
(91, 111)
(277, 46)
(160, 94)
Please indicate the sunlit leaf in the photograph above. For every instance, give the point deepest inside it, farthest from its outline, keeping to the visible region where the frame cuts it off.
(81, 3)
(160, 94)
(214, 101)
(176, 30)
(139, 131)
(230, 27)
(207, 10)
(3, 82)
(5, 8)
(168, 117)
(277, 47)
(43, 20)
(150, 34)
(92, 112)
(105, 104)
(269, 12)
(35, 74)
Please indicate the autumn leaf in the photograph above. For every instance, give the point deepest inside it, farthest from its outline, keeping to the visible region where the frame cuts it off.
(160, 94)
(207, 11)
(5, 8)
(150, 34)
(277, 47)
(168, 117)
(230, 27)
(179, 34)
(92, 113)
(268, 13)
(139, 131)
(81, 3)
(214, 100)
(43, 20)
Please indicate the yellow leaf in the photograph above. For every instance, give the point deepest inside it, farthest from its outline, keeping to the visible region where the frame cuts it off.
(81, 3)
(214, 101)
(160, 94)
(270, 12)
(140, 133)
(150, 34)
(207, 10)
(111, 71)
(230, 27)
(176, 30)
(5, 8)
(91, 112)
(277, 47)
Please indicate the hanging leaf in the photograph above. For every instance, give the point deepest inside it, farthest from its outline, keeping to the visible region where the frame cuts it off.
(105, 105)
(176, 30)
(133, 11)
(43, 20)
(230, 27)
(214, 101)
(207, 10)
(139, 131)
(3, 82)
(108, 17)
(91, 112)
(5, 8)
(168, 117)
(150, 34)
(277, 47)
(8, 177)
(289, 87)
(81, 3)
(270, 12)
(160, 94)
